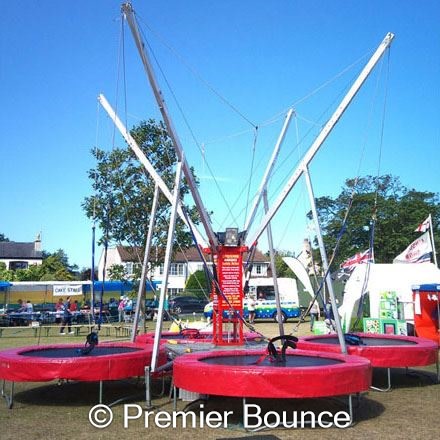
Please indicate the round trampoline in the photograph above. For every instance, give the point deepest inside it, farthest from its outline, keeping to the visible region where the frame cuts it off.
(386, 351)
(241, 373)
(112, 361)
(188, 335)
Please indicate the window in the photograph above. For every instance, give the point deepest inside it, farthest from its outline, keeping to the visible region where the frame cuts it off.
(174, 291)
(258, 269)
(14, 265)
(176, 269)
(129, 268)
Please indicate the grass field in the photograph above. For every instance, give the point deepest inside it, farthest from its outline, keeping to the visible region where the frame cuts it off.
(52, 411)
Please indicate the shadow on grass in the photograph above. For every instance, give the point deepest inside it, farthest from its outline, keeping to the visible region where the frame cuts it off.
(402, 378)
(79, 394)
(363, 408)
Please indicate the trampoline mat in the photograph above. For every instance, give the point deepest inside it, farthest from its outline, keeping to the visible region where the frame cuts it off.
(254, 360)
(370, 342)
(72, 352)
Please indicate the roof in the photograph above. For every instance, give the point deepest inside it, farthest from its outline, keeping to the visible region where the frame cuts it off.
(129, 254)
(15, 250)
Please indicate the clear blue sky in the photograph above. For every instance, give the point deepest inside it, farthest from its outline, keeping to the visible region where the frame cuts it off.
(262, 56)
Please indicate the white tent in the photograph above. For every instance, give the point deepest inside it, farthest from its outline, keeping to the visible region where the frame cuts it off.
(374, 279)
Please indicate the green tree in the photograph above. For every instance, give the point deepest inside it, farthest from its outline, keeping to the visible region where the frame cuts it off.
(198, 285)
(123, 192)
(380, 202)
(3, 238)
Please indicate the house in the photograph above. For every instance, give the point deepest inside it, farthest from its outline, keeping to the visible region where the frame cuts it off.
(18, 255)
(184, 263)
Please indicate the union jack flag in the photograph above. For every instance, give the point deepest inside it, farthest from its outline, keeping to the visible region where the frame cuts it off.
(359, 258)
(424, 226)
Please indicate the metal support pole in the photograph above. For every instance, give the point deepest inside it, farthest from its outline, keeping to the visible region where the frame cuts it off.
(324, 261)
(326, 130)
(274, 270)
(141, 291)
(204, 216)
(167, 262)
(147, 387)
(100, 391)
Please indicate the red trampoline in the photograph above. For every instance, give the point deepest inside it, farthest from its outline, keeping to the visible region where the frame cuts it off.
(385, 351)
(112, 361)
(105, 362)
(241, 373)
(188, 335)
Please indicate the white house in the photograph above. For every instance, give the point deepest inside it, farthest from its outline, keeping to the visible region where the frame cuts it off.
(18, 255)
(184, 263)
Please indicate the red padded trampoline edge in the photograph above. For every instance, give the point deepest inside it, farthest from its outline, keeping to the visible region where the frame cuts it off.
(423, 352)
(17, 368)
(352, 376)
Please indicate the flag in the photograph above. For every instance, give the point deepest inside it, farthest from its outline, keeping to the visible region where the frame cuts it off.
(359, 258)
(424, 226)
(419, 251)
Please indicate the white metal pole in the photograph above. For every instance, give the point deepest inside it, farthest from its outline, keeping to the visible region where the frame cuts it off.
(268, 171)
(141, 290)
(310, 154)
(274, 269)
(324, 261)
(166, 268)
(148, 166)
(204, 217)
(432, 240)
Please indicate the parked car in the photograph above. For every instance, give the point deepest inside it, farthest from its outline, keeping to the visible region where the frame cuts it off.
(187, 304)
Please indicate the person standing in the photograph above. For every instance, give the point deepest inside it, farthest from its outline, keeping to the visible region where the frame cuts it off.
(314, 312)
(67, 317)
(329, 317)
(251, 308)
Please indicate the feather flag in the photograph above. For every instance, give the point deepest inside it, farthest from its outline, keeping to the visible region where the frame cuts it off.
(424, 226)
(419, 251)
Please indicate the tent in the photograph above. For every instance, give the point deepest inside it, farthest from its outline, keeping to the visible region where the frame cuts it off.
(374, 279)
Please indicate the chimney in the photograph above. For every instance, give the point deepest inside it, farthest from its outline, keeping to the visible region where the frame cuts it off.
(37, 243)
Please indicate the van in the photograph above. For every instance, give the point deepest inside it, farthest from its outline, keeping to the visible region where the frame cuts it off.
(263, 290)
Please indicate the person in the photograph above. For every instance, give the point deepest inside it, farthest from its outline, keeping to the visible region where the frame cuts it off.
(21, 306)
(29, 307)
(67, 317)
(314, 312)
(121, 307)
(59, 311)
(128, 309)
(251, 309)
(329, 317)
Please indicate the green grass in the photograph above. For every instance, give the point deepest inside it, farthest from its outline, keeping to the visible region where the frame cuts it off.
(52, 411)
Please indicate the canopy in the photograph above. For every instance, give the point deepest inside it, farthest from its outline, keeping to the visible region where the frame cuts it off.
(374, 279)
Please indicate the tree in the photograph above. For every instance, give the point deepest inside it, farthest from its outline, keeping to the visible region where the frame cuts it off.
(3, 238)
(123, 192)
(198, 284)
(382, 203)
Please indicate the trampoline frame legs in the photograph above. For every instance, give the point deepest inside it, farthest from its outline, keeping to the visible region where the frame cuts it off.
(9, 398)
(388, 388)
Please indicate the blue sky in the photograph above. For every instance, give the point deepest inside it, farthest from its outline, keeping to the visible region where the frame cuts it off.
(261, 56)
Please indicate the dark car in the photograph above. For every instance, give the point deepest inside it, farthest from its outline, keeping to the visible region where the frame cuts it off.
(187, 304)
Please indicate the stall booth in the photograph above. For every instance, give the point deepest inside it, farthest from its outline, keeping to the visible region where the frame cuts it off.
(426, 311)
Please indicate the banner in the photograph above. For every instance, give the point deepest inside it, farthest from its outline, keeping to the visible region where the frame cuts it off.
(359, 258)
(417, 252)
(424, 226)
(67, 290)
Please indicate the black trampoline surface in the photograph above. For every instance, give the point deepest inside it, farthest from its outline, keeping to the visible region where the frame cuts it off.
(72, 352)
(371, 342)
(256, 360)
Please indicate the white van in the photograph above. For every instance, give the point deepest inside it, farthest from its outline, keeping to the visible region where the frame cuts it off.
(263, 290)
